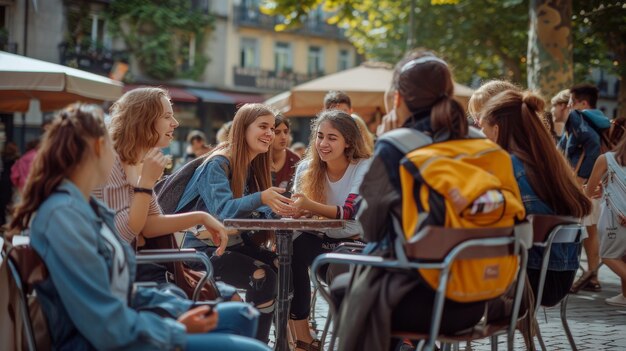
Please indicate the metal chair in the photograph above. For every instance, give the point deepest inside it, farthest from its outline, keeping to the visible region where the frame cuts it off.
(346, 248)
(181, 255)
(548, 230)
(441, 247)
(27, 269)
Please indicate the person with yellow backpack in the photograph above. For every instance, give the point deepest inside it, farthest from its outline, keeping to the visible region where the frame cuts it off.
(432, 171)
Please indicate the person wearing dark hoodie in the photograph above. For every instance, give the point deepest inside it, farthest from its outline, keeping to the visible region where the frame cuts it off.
(581, 144)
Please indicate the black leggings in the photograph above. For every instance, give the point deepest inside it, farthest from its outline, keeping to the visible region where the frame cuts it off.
(237, 266)
(414, 312)
(305, 249)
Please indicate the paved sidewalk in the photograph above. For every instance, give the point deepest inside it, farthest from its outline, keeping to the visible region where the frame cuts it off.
(594, 324)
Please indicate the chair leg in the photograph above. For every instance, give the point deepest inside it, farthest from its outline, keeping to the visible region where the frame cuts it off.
(568, 332)
(325, 331)
(312, 313)
(494, 343)
(539, 338)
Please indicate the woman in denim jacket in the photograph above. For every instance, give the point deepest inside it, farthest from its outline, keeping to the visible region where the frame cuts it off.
(88, 298)
(511, 119)
(235, 182)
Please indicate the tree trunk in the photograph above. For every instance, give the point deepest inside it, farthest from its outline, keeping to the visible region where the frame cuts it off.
(550, 48)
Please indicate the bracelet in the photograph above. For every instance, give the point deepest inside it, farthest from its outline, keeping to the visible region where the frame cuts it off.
(142, 190)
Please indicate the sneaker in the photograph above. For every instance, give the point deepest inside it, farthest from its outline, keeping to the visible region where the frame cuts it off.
(618, 300)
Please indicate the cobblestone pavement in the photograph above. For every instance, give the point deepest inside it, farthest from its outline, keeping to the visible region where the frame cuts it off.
(594, 324)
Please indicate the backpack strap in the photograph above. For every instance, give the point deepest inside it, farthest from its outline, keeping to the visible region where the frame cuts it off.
(406, 139)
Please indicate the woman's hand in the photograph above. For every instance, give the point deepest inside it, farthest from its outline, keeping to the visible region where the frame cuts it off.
(279, 204)
(153, 165)
(199, 320)
(216, 230)
(301, 202)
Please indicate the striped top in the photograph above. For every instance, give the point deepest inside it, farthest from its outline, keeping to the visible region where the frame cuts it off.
(118, 194)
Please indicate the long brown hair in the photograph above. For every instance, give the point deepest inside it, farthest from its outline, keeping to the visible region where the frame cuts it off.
(237, 150)
(521, 132)
(132, 122)
(62, 149)
(425, 82)
(313, 180)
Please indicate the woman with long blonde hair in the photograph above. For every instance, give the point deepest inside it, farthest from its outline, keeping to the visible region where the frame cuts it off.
(327, 185)
(234, 182)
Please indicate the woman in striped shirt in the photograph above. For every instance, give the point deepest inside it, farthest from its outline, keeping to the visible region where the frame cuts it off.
(142, 123)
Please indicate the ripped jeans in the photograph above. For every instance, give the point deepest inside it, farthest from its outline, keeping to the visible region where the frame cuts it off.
(237, 267)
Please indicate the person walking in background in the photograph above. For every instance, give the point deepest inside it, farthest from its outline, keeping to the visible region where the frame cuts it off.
(10, 154)
(609, 175)
(283, 160)
(197, 145)
(21, 168)
(581, 146)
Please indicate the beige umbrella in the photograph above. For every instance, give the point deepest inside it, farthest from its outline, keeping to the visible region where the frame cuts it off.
(55, 86)
(365, 84)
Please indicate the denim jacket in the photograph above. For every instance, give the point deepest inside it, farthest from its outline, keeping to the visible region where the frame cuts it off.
(580, 141)
(211, 184)
(563, 256)
(86, 307)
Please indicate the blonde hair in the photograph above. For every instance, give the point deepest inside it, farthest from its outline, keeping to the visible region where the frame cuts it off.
(313, 180)
(237, 150)
(487, 91)
(133, 119)
(562, 97)
(365, 133)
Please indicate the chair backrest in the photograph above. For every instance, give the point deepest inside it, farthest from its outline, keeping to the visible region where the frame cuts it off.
(481, 262)
(448, 249)
(547, 230)
(544, 225)
(24, 327)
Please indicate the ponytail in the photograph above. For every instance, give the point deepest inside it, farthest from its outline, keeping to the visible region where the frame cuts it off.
(447, 115)
(61, 151)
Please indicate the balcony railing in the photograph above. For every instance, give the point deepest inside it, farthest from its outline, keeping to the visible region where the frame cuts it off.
(269, 80)
(253, 17)
(92, 59)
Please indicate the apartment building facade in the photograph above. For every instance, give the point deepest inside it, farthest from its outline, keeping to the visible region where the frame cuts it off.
(248, 60)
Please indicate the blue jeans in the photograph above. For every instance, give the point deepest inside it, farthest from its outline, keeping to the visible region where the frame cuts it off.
(237, 325)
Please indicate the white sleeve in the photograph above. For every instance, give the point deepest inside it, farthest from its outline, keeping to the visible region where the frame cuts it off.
(361, 170)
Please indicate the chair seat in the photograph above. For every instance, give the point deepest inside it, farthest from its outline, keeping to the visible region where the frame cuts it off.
(477, 332)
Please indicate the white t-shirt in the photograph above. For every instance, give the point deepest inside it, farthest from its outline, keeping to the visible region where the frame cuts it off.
(337, 192)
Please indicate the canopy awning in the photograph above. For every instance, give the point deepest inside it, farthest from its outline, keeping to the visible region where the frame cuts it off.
(55, 86)
(365, 84)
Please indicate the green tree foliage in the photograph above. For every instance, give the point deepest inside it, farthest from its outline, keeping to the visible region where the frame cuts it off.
(601, 41)
(157, 34)
(485, 39)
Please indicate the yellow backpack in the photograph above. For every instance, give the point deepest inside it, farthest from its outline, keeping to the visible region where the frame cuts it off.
(465, 183)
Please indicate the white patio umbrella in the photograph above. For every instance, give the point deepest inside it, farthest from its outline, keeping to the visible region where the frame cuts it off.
(55, 86)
